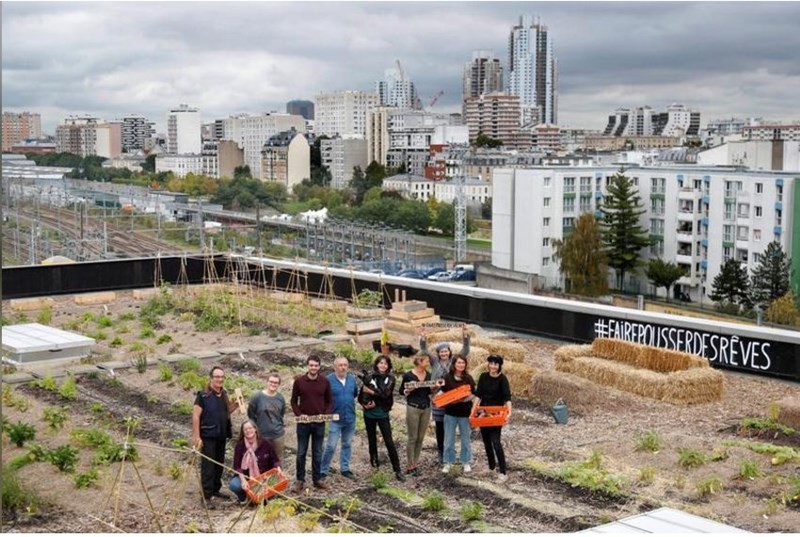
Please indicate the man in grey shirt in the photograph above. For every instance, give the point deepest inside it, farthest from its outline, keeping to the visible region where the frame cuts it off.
(266, 409)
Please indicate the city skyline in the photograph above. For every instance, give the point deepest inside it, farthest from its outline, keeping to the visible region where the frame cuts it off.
(723, 59)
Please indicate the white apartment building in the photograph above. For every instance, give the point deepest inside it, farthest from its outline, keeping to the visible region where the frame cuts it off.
(698, 217)
(86, 135)
(423, 189)
(340, 156)
(643, 121)
(411, 133)
(772, 132)
(754, 154)
(252, 132)
(344, 113)
(396, 89)
(184, 129)
(205, 163)
(532, 71)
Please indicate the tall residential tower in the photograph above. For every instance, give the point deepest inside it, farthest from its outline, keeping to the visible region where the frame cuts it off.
(532, 71)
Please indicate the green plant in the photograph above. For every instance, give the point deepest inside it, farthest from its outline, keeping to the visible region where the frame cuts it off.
(54, 417)
(137, 346)
(98, 335)
(175, 471)
(647, 475)
(93, 437)
(152, 399)
(45, 383)
(719, 454)
(21, 318)
(780, 454)
(16, 497)
(69, 388)
(184, 408)
(12, 400)
(163, 338)
(433, 501)
(115, 452)
(104, 321)
(471, 511)
(123, 329)
(147, 333)
(187, 364)
(64, 458)
(367, 297)
(749, 470)
(164, 372)
(590, 474)
(88, 317)
(308, 521)
(709, 486)
(116, 342)
(87, 479)
(379, 479)
(97, 408)
(20, 432)
(649, 441)
(45, 315)
(126, 316)
(691, 458)
(139, 361)
(180, 443)
(192, 381)
(768, 424)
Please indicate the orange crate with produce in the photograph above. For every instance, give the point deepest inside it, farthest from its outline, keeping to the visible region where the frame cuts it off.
(489, 416)
(453, 396)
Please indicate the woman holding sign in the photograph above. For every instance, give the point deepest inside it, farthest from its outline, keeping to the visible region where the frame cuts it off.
(418, 408)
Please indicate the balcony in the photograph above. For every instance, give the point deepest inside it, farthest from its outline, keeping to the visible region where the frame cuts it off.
(685, 216)
(684, 236)
(682, 259)
(691, 281)
(690, 194)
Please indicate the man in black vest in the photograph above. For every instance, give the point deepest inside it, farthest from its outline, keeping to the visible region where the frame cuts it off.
(211, 428)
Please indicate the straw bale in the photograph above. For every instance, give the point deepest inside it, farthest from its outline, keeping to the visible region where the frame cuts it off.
(520, 376)
(451, 334)
(573, 351)
(581, 395)
(789, 412)
(681, 387)
(617, 350)
(667, 361)
(511, 351)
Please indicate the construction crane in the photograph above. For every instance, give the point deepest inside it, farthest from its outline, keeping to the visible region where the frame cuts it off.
(400, 71)
(435, 98)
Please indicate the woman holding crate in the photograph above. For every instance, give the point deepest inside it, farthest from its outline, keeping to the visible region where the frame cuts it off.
(456, 415)
(252, 456)
(493, 390)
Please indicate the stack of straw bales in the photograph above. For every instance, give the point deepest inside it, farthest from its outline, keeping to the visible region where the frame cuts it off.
(789, 412)
(520, 377)
(451, 334)
(581, 395)
(670, 376)
(509, 350)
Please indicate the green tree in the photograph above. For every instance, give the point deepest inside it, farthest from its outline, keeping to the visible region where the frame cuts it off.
(446, 218)
(485, 141)
(622, 235)
(149, 165)
(663, 274)
(358, 184)
(242, 172)
(582, 259)
(771, 277)
(486, 209)
(783, 310)
(729, 287)
(375, 174)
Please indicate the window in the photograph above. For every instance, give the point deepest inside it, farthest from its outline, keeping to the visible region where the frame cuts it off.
(756, 234)
(569, 184)
(727, 253)
(657, 248)
(758, 211)
(567, 222)
(545, 261)
(569, 205)
(586, 205)
(546, 202)
(546, 241)
(586, 184)
(742, 233)
(546, 221)
(744, 210)
(727, 234)
(728, 211)
(759, 188)
(547, 182)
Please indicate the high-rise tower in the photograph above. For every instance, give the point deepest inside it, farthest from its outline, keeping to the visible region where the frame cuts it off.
(482, 75)
(532, 71)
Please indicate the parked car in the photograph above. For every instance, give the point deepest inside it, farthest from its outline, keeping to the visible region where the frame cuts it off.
(464, 276)
(411, 273)
(432, 272)
(445, 276)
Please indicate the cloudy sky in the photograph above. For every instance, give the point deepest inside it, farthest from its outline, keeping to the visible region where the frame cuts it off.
(112, 58)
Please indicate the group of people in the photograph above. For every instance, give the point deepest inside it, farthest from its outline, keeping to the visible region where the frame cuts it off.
(315, 398)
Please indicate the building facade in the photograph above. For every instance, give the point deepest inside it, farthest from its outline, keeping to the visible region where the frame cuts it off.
(344, 113)
(396, 89)
(137, 134)
(697, 217)
(286, 159)
(419, 188)
(378, 134)
(18, 126)
(532, 71)
(789, 133)
(495, 115)
(252, 132)
(86, 136)
(340, 156)
(775, 155)
(299, 107)
(411, 133)
(184, 131)
(677, 120)
(483, 74)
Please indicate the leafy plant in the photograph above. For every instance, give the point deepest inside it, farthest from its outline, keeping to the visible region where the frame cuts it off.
(274, 510)
(709, 486)
(433, 501)
(54, 417)
(367, 298)
(45, 383)
(691, 458)
(187, 364)
(749, 470)
(590, 474)
(139, 361)
(152, 399)
(471, 511)
(20, 432)
(308, 521)
(116, 342)
(126, 316)
(379, 479)
(45, 316)
(163, 338)
(64, 458)
(766, 424)
(97, 408)
(147, 333)
(175, 471)
(69, 388)
(164, 372)
(87, 479)
(191, 381)
(184, 408)
(115, 452)
(649, 441)
(94, 438)
(12, 400)
(104, 321)
(647, 474)
(99, 335)
(16, 497)
(180, 443)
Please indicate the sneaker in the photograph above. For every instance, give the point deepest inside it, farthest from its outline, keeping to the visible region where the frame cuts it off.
(348, 474)
(446, 469)
(467, 468)
(321, 485)
(298, 487)
(399, 475)
(222, 495)
(502, 478)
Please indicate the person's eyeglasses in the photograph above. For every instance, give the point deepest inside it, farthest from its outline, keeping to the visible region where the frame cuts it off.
(218, 377)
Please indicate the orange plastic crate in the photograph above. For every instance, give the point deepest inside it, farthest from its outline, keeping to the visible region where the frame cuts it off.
(445, 398)
(265, 486)
(493, 416)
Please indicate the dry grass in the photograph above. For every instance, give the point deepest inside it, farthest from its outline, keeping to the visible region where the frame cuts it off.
(581, 395)
(449, 335)
(520, 377)
(789, 412)
(645, 357)
(509, 350)
(686, 387)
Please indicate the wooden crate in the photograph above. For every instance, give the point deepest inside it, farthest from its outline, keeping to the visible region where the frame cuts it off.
(264, 486)
(489, 416)
(446, 398)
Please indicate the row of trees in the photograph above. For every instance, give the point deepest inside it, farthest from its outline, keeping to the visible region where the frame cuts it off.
(616, 241)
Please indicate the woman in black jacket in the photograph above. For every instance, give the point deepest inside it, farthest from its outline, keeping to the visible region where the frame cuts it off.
(377, 400)
(494, 390)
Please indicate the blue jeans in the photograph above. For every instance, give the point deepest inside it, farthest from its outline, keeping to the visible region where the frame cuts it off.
(450, 425)
(335, 431)
(315, 433)
(236, 488)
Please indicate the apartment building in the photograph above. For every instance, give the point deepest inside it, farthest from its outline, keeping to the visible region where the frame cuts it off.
(423, 189)
(286, 159)
(396, 89)
(378, 134)
(300, 107)
(532, 71)
(483, 74)
(677, 120)
(18, 126)
(340, 156)
(790, 133)
(775, 155)
(137, 133)
(496, 115)
(184, 131)
(697, 217)
(86, 135)
(252, 132)
(344, 113)
(545, 137)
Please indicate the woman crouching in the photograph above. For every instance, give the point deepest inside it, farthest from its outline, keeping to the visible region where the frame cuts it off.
(252, 456)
